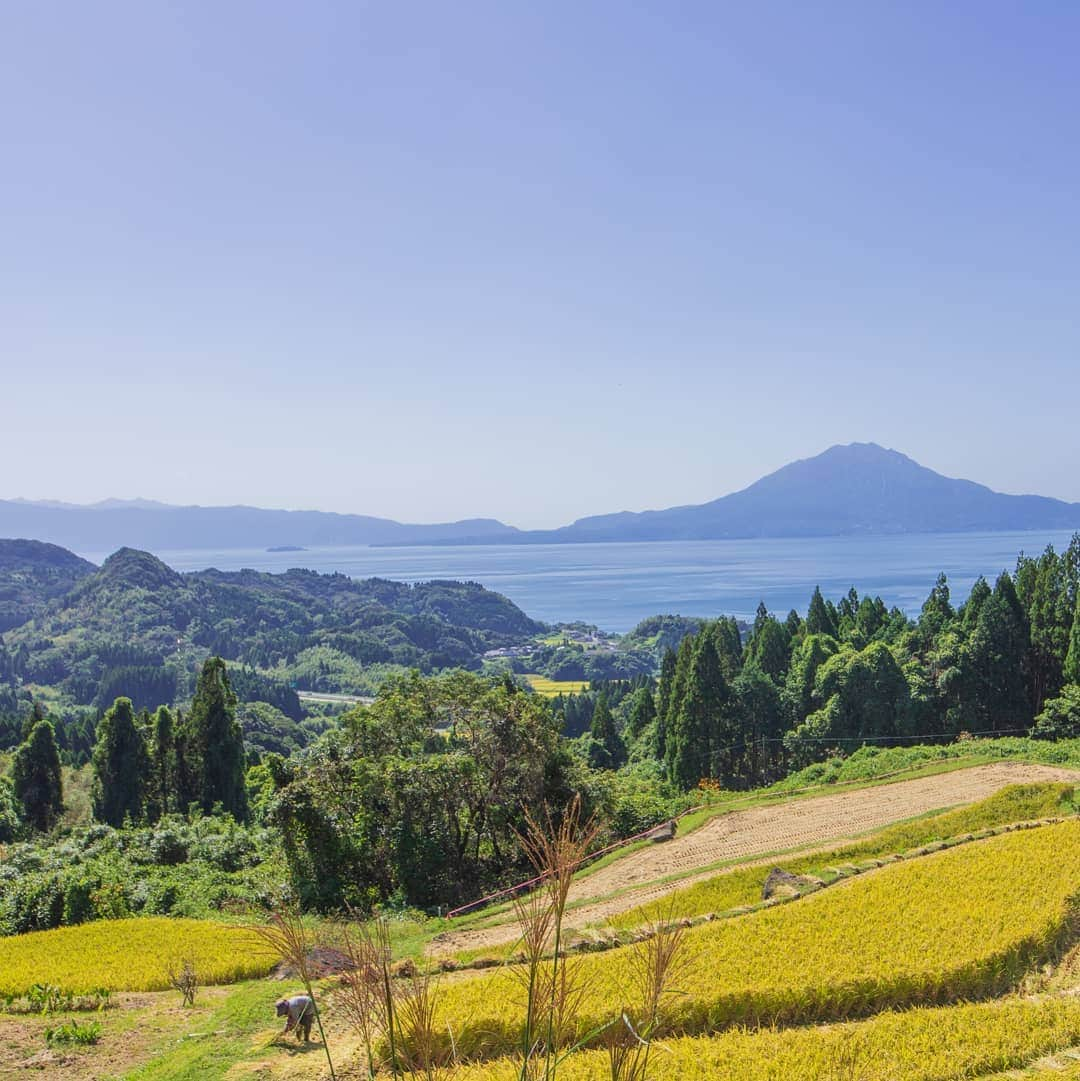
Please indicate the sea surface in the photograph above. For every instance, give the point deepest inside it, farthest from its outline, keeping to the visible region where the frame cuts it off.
(615, 586)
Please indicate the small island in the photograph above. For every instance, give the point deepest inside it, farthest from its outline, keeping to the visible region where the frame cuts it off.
(287, 548)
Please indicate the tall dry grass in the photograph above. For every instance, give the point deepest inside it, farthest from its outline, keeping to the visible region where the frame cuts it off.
(552, 984)
(285, 934)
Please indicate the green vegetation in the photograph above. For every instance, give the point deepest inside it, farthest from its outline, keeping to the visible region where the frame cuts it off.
(870, 762)
(36, 780)
(137, 628)
(740, 714)
(33, 573)
(420, 795)
(176, 867)
(74, 1032)
(234, 1020)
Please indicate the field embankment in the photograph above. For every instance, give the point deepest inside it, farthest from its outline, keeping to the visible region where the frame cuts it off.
(738, 837)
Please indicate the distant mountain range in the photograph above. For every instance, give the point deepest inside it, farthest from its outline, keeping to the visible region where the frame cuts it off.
(859, 488)
(158, 527)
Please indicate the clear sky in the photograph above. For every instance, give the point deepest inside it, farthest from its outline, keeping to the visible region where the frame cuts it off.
(532, 260)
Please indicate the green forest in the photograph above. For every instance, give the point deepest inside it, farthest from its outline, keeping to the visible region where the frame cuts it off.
(416, 799)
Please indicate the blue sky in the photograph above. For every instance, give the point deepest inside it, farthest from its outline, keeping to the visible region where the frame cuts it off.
(532, 261)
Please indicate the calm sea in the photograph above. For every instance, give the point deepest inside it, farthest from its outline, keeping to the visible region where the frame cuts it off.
(616, 585)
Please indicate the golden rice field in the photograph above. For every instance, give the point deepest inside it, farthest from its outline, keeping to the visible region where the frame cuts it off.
(962, 924)
(941, 1044)
(129, 955)
(740, 887)
(552, 688)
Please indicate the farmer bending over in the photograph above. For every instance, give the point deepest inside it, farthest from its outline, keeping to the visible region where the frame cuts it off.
(300, 1011)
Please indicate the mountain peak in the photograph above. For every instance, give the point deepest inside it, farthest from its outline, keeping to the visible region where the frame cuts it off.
(861, 454)
(852, 488)
(134, 568)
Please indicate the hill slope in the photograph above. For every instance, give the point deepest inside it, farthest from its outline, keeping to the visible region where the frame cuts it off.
(32, 574)
(137, 613)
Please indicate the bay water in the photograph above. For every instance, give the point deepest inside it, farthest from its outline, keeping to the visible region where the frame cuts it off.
(614, 586)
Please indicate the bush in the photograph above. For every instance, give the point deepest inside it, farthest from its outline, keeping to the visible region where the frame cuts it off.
(89, 1032)
(168, 846)
(1060, 717)
(178, 867)
(78, 898)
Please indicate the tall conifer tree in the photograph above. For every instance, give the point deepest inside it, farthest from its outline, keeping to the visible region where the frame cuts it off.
(215, 743)
(36, 778)
(642, 712)
(693, 735)
(1072, 658)
(163, 755)
(728, 646)
(664, 685)
(995, 691)
(979, 595)
(121, 766)
(607, 750)
(819, 620)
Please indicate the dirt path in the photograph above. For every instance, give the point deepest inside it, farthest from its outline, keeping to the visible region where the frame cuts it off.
(821, 821)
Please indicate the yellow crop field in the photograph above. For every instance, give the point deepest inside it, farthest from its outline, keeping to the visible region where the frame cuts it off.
(942, 1044)
(964, 923)
(551, 688)
(129, 955)
(733, 889)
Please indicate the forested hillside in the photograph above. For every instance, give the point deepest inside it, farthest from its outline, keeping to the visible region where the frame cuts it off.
(137, 627)
(738, 710)
(32, 574)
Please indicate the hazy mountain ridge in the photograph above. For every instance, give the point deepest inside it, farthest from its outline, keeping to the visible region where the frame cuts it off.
(860, 488)
(113, 524)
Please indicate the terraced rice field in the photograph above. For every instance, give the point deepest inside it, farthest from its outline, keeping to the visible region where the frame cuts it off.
(741, 886)
(552, 688)
(129, 955)
(943, 1044)
(940, 929)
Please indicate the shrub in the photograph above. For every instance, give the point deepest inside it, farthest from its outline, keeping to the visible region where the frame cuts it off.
(89, 1032)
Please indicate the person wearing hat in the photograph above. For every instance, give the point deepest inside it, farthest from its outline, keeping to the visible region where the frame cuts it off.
(299, 1012)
